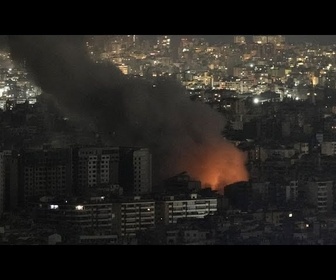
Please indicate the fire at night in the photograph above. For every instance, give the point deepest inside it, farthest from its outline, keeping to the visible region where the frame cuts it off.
(155, 135)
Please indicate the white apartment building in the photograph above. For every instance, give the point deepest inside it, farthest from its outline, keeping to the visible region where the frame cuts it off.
(170, 209)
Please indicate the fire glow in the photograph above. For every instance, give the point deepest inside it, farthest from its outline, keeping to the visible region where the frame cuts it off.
(181, 134)
(217, 165)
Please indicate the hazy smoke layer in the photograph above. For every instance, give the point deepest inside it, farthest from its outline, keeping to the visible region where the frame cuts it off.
(182, 135)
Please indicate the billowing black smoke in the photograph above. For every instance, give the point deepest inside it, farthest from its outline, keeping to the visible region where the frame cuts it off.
(130, 111)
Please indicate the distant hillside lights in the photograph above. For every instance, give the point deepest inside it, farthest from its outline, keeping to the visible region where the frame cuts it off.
(124, 69)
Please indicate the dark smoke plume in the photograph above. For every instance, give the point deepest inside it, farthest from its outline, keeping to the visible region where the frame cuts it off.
(182, 135)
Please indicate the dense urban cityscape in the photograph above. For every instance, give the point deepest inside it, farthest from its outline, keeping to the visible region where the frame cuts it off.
(129, 140)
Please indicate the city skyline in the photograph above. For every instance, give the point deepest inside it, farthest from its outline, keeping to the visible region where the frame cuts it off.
(213, 38)
(176, 140)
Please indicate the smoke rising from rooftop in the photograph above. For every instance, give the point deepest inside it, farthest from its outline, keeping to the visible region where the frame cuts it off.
(182, 135)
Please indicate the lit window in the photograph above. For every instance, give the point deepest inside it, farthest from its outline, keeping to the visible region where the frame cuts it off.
(79, 207)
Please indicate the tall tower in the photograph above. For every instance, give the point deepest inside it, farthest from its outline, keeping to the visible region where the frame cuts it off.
(142, 168)
(312, 92)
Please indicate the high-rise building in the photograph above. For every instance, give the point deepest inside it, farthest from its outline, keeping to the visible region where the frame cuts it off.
(94, 167)
(260, 39)
(136, 40)
(271, 39)
(239, 40)
(233, 60)
(44, 172)
(164, 44)
(320, 195)
(276, 39)
(128, 167)
(142, 166)
(292, 191)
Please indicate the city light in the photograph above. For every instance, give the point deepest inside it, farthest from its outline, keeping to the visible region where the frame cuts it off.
(192, 125)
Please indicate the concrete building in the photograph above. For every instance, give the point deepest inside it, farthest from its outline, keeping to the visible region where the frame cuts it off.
(292, 191)
(142, 166)
(134, 215)
(320, 195)
(44, 172)
(9, 180)
(97, 215)
(128, 167)
(93, 215)
(328, 148)
(111, 239)
(259, 39)
(239, 40)
(171, 209)
(95, 166)
(302, 147)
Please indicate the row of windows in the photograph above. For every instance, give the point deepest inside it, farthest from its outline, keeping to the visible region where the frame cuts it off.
(45, 168)
(61, 183)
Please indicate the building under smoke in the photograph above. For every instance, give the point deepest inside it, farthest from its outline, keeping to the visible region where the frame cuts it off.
(125, 111)
(127, 167)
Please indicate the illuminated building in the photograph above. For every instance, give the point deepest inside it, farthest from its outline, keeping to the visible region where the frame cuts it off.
(185, 43)
(233, 84)
(272, 39)
(171, 209)
(136, 40)
(124, 68)
(93, 214)
(98, 215)
(163, 44)
(276, 39)
(260, 39)
(235, 105)
(239, 40)
(134, 215)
